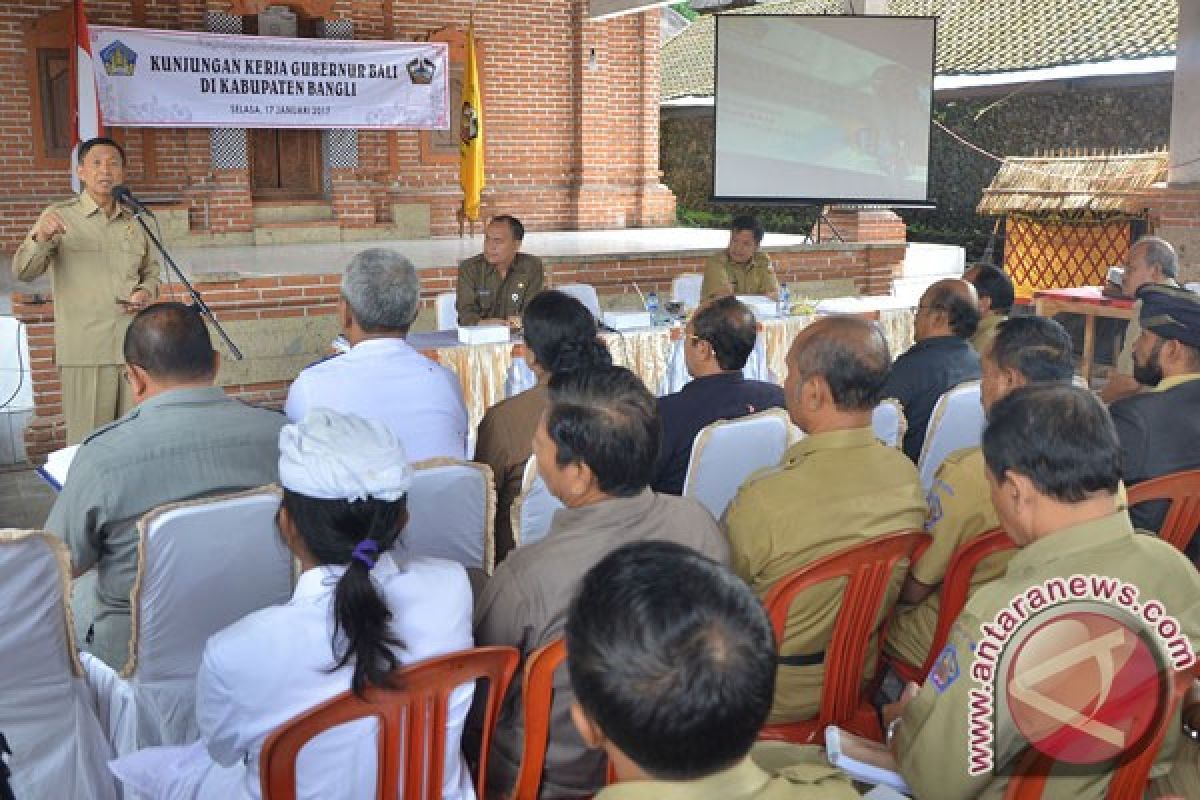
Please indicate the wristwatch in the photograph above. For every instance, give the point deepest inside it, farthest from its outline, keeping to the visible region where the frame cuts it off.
(891, 730)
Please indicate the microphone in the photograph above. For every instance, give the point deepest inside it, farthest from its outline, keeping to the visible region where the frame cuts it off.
(122, 195)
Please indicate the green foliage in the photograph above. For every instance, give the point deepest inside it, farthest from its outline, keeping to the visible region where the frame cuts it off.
(686, 10)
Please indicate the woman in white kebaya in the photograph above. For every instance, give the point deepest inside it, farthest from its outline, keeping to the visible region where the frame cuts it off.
(354, 617)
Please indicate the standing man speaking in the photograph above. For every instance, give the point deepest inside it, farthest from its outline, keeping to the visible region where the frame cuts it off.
(103, 271)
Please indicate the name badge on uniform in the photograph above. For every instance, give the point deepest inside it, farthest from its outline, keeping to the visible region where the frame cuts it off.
(482, 292)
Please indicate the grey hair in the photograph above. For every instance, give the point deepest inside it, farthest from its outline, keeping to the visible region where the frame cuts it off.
(1159, 253)
(382, 289)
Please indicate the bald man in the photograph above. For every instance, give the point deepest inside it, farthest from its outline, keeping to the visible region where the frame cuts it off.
(947, 318)
(836, 488)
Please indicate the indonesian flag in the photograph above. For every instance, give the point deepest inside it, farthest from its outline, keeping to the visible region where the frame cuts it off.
(84, 103)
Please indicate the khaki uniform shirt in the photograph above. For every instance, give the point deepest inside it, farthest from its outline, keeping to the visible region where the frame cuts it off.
(524, 605)
(989, 326)
(505, 443)
(721, 273)
(960, 508)
(98, 260)
(772, 771)
(178, 445)
(932, 741)
(483, 295)
(832, 490)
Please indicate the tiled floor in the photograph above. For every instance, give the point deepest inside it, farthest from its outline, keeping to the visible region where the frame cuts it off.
(25, 498)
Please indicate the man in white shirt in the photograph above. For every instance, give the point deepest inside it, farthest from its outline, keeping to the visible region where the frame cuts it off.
(382, 377)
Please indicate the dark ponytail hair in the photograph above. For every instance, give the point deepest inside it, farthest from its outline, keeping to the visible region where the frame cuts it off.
(331, 529)
(562, 334)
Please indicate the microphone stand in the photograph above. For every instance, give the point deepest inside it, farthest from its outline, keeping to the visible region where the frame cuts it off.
(197, 301)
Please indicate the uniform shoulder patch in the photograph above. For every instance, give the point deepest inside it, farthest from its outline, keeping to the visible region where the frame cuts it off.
(945, 670)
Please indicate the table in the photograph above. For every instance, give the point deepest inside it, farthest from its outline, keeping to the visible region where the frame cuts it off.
(1091, 303)
(482, 369)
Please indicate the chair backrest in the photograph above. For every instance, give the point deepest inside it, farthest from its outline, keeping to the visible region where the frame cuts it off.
(957, 422)
(868, 568)
(451, 513)
(686, 289)
(1182, 491)
(533, 509)
(584, 293)
(727, 452)
(447, 310)
(202, 565)
(889, 422)
(1032, 777)
(59, 748)
(957, 585)
(412, 721)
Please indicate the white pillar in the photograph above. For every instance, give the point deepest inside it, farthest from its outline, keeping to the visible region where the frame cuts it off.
(1185, 99)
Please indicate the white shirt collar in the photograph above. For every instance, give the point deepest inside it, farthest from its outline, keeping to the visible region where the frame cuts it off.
(386, 344)
(320, 581)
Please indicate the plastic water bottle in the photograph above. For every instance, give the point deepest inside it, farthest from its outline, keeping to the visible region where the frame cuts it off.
(652, 307)
(785, 300)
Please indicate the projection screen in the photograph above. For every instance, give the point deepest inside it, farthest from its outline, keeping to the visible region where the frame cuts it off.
(823, 108)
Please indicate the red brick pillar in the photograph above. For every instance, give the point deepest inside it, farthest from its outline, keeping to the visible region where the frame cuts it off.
(1175, 216)
(862, 225)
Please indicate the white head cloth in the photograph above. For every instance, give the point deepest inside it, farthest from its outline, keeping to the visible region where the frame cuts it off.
(334, 456)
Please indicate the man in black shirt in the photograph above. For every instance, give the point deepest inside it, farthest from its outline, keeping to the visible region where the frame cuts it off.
(947, 318)
(720, 339)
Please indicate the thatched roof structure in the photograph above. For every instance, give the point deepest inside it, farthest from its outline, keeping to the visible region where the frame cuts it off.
(1074, 184)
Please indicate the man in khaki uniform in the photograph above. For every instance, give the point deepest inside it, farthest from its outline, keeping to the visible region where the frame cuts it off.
(740, 268)
(1025, 350)
(494, 286)
(1053, 466)
(103, 270)
(677, 693)
(1150, 260)
(838, 487)
(996, 298)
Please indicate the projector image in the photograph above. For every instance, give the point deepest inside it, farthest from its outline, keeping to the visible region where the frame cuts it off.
(627, 320)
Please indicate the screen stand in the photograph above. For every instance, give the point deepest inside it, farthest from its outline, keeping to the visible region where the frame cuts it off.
(823, 218)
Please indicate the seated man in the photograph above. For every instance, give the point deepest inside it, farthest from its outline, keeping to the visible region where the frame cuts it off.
(996, 298)
(1025, 350)
(494, 286)
(1150, 260)
(947, 317)
(678, 694)
(595, 448)
(185, 439)
(719, 339)
(382, 377)
(838, 487)
(1053, 466)
(740, 268)
(1159, 430)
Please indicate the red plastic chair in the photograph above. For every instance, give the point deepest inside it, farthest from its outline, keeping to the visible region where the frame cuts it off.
(1131, 777)
(412, 721)
(868, 568)
(955, 587)
(537, 692)
(1182, 489)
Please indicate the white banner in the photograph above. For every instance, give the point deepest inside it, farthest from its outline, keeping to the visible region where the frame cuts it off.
(177, 79)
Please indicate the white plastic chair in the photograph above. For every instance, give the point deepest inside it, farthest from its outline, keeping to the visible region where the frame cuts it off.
(889, 422)
(686, 289)
(202, 565)
(533, 509)
(519, 378)
(957, 422)
(584, 293)
(447, 311)
(727, 452)
(451, 514)
(677, 375)
(47, 712)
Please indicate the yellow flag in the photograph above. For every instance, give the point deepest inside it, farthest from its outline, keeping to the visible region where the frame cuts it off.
(470, 134)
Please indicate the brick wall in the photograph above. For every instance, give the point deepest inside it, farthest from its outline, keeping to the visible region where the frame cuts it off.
(870, 266)
(568, 145)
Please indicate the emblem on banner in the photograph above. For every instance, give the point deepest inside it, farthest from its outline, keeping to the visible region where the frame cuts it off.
(119, 59)
(469, 130)
(421, 71)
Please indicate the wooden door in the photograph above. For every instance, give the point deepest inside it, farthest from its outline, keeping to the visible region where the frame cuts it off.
(286, 163)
